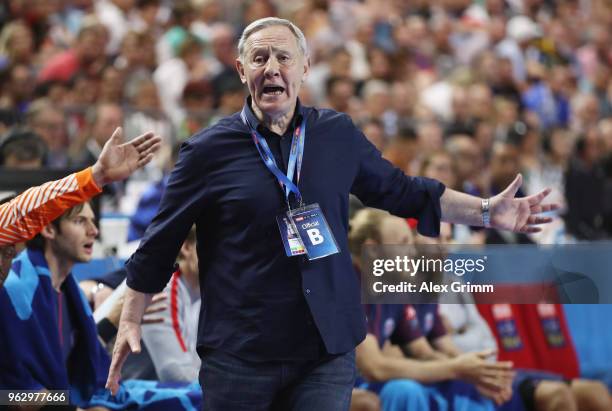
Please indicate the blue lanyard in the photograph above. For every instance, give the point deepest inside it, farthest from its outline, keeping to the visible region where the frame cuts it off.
(295, 157)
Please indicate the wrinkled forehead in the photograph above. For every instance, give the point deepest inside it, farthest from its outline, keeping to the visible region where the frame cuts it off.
(276, 38)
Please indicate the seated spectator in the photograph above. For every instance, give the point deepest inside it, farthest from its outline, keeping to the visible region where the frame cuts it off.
(169, 341)
(49, 122)
(54, 342)
(451, 329)
(538, 390)
(405, 384)
(29, 217)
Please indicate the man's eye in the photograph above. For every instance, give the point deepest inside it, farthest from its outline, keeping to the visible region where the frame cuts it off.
(283, 59)
(259, 60)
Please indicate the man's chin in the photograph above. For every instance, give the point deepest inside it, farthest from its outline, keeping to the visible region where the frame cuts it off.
(274, 106)
(83, 259)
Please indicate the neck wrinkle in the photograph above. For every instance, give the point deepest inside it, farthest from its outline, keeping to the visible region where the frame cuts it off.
(278, 124)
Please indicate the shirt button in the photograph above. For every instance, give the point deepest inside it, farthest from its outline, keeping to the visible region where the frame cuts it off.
(308, 291)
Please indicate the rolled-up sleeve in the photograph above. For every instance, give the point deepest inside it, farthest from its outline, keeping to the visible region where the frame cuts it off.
(150, 267)
(381, 185)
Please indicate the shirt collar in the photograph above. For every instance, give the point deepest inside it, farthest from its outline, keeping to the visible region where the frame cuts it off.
(298, 115)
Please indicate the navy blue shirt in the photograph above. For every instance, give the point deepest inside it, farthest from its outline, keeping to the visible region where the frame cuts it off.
(395, 323)
(257, 303)
(430, 322)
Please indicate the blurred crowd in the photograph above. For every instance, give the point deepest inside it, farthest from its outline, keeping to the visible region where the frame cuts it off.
(470, 92)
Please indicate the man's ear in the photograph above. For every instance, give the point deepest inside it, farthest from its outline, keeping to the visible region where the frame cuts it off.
(49, 232)
(306, 68)
(240, 70)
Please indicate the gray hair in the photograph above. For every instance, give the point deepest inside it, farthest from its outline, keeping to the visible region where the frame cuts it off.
(269, 22)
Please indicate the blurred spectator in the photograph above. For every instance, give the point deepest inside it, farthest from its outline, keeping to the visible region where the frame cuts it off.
(340, 92)
(131, 56)
(596, 51)
(208, 13)
(468, 162)
(374, 131)
(173, 75)
(102, 120)
(528, 142)
(503, 83)
(146, 14)
(145, 114)
(8, 118)
(22, 149)
(49, 122)
(429, 135)
(462, 121)
(479, 103)
(335, 63)
(222, 68)
(402, 151)
(505, 165)
(517, 46)
(87, 54)
(377, 104)
(118, 17)
(198, 101)
(111, 86)
(17, 87)
(181, 18)
(16, 44)
(585, 107)
(588, 199)
(439, 165)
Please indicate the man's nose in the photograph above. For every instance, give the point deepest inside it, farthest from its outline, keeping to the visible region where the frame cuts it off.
(272, 67)
(92, 230)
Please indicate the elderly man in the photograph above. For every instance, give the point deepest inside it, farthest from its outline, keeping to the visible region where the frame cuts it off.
(25, 215)
(281, 313)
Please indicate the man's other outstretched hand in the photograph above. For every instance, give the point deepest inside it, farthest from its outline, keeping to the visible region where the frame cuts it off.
(118, 160)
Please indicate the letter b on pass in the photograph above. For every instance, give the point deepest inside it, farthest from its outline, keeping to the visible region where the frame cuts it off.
(315, 236)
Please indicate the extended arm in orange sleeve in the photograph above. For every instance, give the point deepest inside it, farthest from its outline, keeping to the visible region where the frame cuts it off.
(28, 213)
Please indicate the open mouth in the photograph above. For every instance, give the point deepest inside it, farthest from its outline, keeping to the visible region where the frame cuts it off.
(273, 90)
(88, 247)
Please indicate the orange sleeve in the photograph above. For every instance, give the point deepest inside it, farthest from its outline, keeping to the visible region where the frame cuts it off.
(28, 213)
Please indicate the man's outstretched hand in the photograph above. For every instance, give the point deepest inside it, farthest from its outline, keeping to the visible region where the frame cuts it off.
(519, 214)
(128, 336)
(126, 343)
(118, 160)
